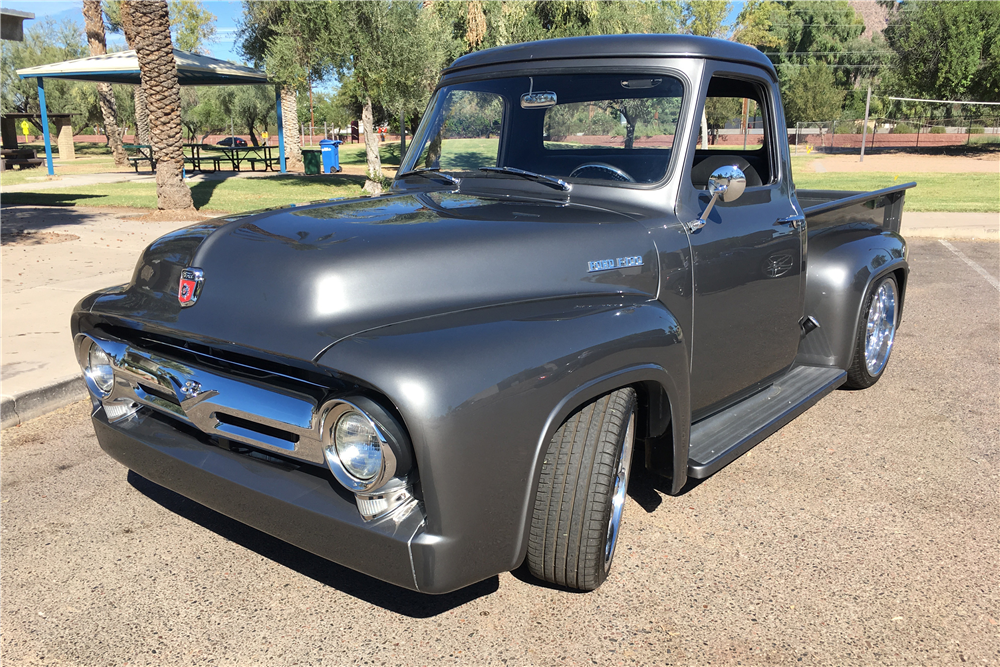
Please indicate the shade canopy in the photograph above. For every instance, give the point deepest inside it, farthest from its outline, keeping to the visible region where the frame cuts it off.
(123, 67)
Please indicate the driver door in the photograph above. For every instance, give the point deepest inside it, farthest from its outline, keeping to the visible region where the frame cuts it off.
(747, 258)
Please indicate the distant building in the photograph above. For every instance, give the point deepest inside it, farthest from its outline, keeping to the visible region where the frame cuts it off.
(11, 24)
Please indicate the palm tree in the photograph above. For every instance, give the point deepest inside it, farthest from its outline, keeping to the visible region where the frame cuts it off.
(94, 18)
(150, 22)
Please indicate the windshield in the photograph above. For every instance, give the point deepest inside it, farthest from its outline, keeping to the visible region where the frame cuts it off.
(607, 129)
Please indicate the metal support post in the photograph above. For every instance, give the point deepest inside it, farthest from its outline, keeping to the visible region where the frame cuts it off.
(281, 130)
(864, 128)
(45, 125)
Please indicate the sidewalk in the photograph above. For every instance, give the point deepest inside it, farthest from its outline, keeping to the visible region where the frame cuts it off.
(63, 255)
(66, 253)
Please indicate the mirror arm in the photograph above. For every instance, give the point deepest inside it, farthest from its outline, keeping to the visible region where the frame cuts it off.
(700, 221)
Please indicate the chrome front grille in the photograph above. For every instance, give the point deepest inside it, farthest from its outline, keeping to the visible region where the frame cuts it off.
(271, 418)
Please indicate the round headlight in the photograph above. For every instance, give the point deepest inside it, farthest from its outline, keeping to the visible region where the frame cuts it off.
(99, 369)
(357, 445)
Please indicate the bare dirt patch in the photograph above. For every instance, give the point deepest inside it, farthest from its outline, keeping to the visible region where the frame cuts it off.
(984, 163)
(28, 237)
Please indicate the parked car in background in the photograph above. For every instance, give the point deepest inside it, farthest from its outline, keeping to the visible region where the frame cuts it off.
(437, 384)
(233, 141)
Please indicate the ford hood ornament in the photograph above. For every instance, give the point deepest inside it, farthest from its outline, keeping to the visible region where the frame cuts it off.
(190, 286)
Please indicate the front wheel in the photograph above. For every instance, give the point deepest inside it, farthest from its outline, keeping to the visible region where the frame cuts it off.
(581, 493)
(876, 334)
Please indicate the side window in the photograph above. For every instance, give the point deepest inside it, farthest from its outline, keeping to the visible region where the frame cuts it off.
(735, 129)
(468, 135)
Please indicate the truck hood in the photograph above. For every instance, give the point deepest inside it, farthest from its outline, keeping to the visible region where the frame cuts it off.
(296, 280)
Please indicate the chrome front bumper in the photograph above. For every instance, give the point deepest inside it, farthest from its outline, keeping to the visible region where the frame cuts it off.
(294, 505)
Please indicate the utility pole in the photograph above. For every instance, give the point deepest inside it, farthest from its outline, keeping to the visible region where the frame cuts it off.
(402, 134)
(864, 130)
(312, 115)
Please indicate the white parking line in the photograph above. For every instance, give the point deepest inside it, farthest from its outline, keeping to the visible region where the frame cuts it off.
(978, 269)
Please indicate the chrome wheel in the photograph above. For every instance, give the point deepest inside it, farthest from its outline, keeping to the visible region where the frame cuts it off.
(618, 497)
(881, 329)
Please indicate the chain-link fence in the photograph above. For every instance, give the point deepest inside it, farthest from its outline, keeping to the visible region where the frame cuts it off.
(893, 133)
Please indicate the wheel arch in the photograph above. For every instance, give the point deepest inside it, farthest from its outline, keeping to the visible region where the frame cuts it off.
(842, 267)
(663, 408)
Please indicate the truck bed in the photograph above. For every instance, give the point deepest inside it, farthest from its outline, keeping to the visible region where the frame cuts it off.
(831, 208)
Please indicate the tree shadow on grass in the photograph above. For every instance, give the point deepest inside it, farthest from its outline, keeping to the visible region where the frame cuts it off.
(46, 198)
(371, 590)
(203, 190)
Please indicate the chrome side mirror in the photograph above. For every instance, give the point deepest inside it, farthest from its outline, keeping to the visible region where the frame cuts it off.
(727, 182)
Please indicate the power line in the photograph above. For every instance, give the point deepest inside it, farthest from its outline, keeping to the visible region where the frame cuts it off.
(912, 99)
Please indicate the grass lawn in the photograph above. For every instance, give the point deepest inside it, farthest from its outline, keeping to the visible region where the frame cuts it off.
(957, 192)
(229, 196)
(969, 192)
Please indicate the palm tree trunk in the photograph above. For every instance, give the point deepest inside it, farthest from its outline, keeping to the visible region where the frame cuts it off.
(158, 68)
(141, 116)
(94, 18)
(374, 183)
(290, 123)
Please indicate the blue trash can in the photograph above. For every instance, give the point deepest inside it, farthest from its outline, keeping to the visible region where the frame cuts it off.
(331, 155)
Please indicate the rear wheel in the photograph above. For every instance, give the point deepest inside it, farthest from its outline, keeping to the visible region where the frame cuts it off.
(875, 336)
(581, 493)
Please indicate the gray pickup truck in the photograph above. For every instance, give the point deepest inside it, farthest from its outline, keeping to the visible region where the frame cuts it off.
(568, 278)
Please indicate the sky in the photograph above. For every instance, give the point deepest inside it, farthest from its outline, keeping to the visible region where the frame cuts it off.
(226, 13)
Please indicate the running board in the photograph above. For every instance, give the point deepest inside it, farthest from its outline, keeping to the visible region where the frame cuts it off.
(722, 438)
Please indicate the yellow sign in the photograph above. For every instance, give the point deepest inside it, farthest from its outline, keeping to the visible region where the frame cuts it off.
(24, 129)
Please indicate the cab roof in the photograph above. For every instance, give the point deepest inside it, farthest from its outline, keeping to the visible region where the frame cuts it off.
(615, 46)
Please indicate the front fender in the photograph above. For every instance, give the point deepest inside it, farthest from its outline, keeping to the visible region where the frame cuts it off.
(842, 264)
(481, 393)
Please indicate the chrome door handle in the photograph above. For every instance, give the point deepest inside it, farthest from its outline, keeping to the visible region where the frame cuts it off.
(794, 220)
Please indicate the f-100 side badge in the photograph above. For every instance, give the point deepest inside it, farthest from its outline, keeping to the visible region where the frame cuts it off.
(617, 263)
(190, 286)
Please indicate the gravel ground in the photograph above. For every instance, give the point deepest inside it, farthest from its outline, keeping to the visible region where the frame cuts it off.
(865, 532)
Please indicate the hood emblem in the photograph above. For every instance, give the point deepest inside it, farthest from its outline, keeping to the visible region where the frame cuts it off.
(190, 286)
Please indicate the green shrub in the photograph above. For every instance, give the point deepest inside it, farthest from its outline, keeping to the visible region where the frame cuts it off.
(937, 129)
(847, 127)
(903, 128)
(976, 129)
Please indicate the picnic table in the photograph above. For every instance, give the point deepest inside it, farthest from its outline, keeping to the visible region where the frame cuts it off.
(140, 153)
(197, 159)
(237, 155)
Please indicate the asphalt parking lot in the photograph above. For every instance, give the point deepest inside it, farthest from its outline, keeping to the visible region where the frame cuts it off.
(865, 532)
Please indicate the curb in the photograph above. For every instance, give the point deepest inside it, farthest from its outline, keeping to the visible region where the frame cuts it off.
(958, 233)
(15, 410)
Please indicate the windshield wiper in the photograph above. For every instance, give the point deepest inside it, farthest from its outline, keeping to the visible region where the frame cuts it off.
(429, 172)
(556, 183)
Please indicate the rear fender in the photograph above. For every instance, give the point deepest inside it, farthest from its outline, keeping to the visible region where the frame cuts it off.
(843, 263)
(481, 393)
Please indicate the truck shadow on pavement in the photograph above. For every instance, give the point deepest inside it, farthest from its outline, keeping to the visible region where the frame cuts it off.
(371, 590)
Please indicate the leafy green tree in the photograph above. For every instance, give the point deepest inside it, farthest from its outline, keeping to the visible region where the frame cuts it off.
(389, 52)
(48, 42)
(947, 50)
(484, 24)
(191, 26)
(707, 18)
(811, 94)
(288, 40)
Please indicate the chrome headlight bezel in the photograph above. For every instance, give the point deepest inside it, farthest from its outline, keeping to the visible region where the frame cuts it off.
(84, 349)
(336, 410)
